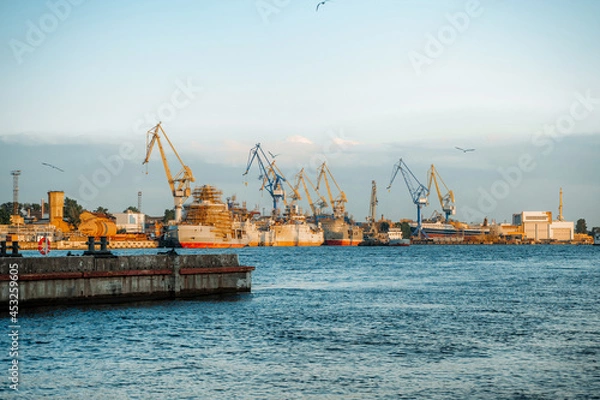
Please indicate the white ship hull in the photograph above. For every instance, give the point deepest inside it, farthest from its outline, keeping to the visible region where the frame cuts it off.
(285, 234)
(201, 236)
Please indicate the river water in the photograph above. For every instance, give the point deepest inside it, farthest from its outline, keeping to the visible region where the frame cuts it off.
(430, 322)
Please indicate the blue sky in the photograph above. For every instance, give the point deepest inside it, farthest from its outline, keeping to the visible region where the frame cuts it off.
(337, 84)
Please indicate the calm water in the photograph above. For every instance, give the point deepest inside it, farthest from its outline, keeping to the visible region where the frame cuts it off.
(447, 322)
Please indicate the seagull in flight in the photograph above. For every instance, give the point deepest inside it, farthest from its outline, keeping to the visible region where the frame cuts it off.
(52, 166)
(321, 3)
(464, 150)
(273, 155)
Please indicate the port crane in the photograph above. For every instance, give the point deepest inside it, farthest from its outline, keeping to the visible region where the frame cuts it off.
(271, 175)
(338, 204)
(180, 183)
(316, 206)
(418, 191)
(446, 200)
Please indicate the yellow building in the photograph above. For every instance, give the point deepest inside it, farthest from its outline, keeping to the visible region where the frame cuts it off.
(56, 204)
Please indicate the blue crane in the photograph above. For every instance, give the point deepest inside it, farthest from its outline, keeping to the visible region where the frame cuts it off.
(269, 173)
(418, 191)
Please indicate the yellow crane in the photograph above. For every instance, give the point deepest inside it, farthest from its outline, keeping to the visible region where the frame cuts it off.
(447, 199)
(180, 183)
(301, 178)
(338, 204)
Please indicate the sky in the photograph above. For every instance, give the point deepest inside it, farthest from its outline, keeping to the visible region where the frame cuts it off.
(356, 84)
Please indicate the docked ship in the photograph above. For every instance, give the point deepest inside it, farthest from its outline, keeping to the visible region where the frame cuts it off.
(291, 230)
(339, 232)
(597, 238)
(395, 238)
(454, 230)
(208, 223)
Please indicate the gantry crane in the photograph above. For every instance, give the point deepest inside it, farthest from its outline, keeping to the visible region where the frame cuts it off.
(446, 200)
(338, 204)
(270, 175)
(316, 206)
(180, 184)
(418, 192)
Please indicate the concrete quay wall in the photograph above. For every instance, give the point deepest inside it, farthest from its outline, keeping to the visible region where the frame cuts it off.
(89, 279)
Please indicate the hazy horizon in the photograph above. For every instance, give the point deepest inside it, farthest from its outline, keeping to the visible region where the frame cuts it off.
(91, 164)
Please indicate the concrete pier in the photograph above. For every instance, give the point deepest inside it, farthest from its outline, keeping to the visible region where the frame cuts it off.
(89, 279)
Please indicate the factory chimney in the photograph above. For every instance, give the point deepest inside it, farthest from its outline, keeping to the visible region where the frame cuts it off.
(560, 207)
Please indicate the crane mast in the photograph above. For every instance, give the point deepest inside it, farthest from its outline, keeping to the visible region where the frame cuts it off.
(291, 208)
(321, 203)
(338, 204)
(270, 175)
(418, 191)
(446, 200)
(180, 183)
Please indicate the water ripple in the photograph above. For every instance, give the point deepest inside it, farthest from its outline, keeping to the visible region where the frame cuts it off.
(431, 322)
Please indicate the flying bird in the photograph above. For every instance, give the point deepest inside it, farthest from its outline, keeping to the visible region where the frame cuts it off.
(323, 2)
(273, 155)
(52, 166)
(464, 150)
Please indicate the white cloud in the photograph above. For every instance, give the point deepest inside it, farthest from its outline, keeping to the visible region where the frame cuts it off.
(298, 139)
(344, 142)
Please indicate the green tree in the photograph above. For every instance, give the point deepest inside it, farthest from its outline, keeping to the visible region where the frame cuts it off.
(32, 206)
(9, 207)
(384, 227)
(5, 212)
(169, 215)
(581, 226)
(101, 210)
(132, 209)
(406, 233)
(72, 211)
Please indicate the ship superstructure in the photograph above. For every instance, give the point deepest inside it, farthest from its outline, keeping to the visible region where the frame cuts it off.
(208, 223)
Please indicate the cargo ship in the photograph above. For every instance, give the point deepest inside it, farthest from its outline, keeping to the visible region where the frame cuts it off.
(291, 230)
(339, 232)
(208, 223)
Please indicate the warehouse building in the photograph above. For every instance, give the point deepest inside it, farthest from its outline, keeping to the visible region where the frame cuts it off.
(539, 226)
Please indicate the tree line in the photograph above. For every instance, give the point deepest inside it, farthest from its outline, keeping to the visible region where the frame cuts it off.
(71, 211)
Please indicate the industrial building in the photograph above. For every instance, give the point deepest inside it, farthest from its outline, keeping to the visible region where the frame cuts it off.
(539, 226)
(130, 222)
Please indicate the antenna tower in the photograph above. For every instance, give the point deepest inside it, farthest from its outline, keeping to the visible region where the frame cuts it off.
(15, 175)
